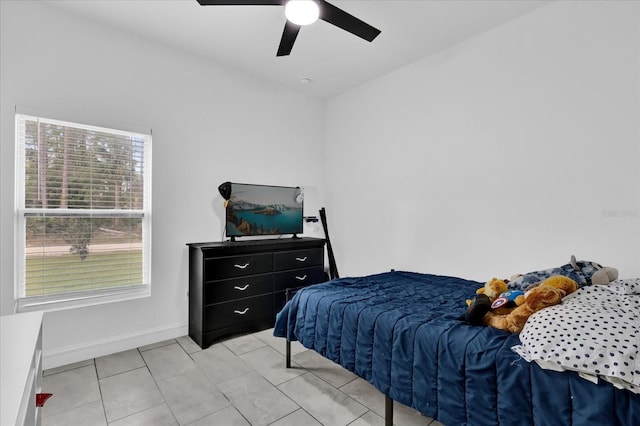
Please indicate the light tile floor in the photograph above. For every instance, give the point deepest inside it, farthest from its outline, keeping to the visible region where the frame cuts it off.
(237, 382)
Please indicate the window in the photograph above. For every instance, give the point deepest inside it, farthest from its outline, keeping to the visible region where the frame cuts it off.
(83, 216)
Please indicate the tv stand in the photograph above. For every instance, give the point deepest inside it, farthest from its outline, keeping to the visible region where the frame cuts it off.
(236, 288)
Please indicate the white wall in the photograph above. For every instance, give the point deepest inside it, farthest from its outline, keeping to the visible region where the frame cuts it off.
(210, 124)
(506, 153)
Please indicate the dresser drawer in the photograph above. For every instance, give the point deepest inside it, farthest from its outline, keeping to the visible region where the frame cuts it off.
(238, 311)
(296, 259)
(236, 266)
(299, 278)
(237, 288)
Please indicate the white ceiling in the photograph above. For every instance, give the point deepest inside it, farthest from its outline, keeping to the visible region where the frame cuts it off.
(245, 38)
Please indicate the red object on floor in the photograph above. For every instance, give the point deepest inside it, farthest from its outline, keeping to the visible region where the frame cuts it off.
(41, 398)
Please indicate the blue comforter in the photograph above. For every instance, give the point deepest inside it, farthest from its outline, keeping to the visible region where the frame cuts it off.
(405, 334)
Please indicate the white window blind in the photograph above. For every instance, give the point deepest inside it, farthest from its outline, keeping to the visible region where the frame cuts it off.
(83, 215)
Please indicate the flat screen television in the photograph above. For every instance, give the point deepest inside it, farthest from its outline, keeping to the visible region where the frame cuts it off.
(254, 210)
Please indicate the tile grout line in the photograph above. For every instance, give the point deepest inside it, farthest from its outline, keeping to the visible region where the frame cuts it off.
(104, 410)
(266, 343)
(253, 370)
(155, 382)
(214, 384)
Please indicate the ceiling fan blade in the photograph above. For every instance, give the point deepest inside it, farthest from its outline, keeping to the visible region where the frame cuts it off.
(241, 2)
(346, 21)
(289, 35)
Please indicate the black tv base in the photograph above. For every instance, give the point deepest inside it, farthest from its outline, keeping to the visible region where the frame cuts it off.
(232, 239)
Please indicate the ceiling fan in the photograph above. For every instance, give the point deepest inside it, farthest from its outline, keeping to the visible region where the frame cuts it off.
(318, 9)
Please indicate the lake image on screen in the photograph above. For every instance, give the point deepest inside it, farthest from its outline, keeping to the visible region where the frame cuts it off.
(263, 210)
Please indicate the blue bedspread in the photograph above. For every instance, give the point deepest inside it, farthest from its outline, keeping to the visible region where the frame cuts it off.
(404, 333)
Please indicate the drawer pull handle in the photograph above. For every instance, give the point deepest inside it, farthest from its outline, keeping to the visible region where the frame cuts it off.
(301, 259)
(242, 312)
(241, 266)
(302, 278)
(246, 286)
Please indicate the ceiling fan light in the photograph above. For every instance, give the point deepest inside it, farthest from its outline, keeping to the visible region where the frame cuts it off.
(302, 12)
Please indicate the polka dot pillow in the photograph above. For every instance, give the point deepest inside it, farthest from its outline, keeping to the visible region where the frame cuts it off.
(595, 331)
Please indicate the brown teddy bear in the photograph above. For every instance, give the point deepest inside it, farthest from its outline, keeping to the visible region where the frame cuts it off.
(548, 293)
(491, 289)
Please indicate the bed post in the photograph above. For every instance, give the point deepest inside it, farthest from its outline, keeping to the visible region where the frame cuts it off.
(287, 294)
(388, 411)
(288, 354)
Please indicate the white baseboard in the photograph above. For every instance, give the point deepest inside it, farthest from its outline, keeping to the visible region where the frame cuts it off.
(97, 348)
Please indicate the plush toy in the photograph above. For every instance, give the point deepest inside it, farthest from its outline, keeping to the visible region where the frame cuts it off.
(601, 275)
(493, 288)
(548, 293)
(582, 272)
(507, 301)
(476, 308)
(565, 284)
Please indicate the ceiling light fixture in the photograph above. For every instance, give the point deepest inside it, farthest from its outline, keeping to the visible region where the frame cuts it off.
(302, 12)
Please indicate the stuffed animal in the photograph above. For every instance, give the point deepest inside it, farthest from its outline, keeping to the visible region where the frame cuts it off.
(548, 293)
(601, 274)
(501, 305)
(582, 272)
(507, 301)
(476, 308)
(558, 281)
(493, 288)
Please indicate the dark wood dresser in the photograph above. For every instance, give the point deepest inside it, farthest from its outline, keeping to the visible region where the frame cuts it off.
(237, 287)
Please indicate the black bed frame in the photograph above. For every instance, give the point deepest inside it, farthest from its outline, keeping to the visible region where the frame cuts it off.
(388, 402)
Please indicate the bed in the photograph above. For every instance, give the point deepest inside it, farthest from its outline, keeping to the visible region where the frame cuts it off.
(405, 334)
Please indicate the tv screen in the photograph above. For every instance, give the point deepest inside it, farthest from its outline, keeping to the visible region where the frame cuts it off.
(263, 210)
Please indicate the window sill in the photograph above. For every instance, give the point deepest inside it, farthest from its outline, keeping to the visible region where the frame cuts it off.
(80, 300)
